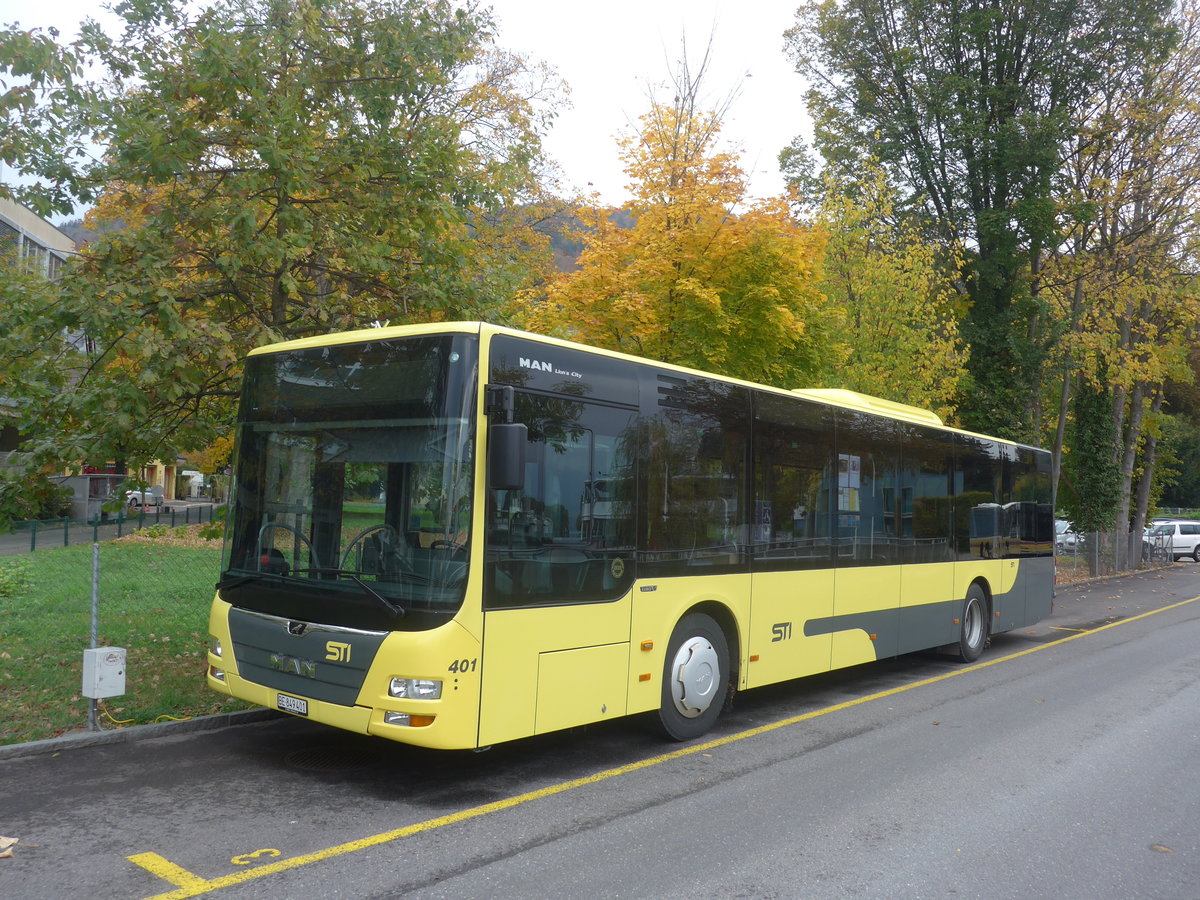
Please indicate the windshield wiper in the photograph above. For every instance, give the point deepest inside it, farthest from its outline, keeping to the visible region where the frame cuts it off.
(238, 580)
(395, 608)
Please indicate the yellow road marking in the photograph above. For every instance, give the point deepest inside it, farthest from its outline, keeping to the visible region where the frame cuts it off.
(191, 885)
(246, 858)
(168, 871)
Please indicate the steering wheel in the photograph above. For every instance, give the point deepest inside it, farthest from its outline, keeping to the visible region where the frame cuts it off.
(391, 536)
(452, 546)
(312, 553)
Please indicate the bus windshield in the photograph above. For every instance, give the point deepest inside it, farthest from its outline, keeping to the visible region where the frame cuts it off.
(352, 498)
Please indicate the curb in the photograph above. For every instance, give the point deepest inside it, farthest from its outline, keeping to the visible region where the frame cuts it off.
(1084, 582)
(77, 740)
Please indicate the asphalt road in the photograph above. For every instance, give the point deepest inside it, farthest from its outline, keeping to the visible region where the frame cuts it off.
(1062, 765)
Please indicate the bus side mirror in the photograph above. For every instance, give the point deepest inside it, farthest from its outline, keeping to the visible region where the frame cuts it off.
(506, 456)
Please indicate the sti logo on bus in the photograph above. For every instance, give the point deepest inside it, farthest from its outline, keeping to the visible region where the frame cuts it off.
(337, 651)
(781, 631)
(539, 365)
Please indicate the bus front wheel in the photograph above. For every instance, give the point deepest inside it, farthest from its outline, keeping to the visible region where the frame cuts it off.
(973, 625)
(695, 678)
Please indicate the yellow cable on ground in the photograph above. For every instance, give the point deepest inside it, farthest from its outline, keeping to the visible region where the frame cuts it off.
(115, 721)
(109, 716)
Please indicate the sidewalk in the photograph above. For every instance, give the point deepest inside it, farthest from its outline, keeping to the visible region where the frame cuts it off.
(172, 514)
(75, 740)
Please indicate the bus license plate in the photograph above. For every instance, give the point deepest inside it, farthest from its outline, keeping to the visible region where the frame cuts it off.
(292, 704)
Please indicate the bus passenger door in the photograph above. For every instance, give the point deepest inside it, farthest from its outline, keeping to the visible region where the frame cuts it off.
(558, 570)
(867, 539)
(551, 668)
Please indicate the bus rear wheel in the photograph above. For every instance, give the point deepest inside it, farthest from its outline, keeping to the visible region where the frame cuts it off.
(973, 625)
(695, 678)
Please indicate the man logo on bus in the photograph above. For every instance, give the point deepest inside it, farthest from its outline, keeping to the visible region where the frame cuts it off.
(539, 365)
(293, 665)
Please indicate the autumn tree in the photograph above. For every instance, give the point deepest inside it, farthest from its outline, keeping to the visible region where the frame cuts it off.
(969, 105)
(215, 457)
(897, 290)
(276, 168)
(693, 281)
(1122, 286)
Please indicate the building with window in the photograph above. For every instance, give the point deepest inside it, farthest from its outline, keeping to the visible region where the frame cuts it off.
(29, 240)
(26, 236)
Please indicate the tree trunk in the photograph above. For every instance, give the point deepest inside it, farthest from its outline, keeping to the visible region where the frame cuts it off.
(1132, 437)
(1146, 481)
(1064, 406)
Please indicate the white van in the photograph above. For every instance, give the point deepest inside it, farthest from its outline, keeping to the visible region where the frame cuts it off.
(1178, 538)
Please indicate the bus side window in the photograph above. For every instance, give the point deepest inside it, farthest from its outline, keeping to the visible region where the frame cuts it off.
(696, 510)
(868, 524)
(566, 535)
(795, 476)
(927, 464)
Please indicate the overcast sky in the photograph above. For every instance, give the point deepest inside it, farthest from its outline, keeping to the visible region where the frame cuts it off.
(609, 54)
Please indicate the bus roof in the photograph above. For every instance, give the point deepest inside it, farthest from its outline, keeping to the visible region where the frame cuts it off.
(855, 400)
(838, 397)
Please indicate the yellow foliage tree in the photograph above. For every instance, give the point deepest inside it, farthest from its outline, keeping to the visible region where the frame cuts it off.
(902, 310)
(215, 457)
(691, 282)
(1121, 291)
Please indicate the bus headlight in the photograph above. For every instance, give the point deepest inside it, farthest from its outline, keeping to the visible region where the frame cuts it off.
(214, 646)
(408, 721)
(415, 689)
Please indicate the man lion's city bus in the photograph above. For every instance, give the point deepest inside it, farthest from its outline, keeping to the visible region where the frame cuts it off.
(458, 534)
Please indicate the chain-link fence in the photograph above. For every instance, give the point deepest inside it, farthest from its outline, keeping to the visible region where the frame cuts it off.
(150, 589)
(1094, 554)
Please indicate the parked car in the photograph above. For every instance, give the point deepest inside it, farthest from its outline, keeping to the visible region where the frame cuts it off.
(1178, 538)
(152, 496)
(1064, 537)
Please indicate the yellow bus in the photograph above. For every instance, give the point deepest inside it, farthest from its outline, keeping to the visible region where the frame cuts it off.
(458, 534)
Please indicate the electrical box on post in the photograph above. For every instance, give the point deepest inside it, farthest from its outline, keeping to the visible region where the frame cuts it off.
(103, 672)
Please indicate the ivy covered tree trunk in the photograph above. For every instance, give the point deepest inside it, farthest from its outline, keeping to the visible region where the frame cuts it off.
(1092, 468)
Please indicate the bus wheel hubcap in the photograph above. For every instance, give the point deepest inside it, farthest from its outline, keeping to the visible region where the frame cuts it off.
(695, 676)
(974, 623)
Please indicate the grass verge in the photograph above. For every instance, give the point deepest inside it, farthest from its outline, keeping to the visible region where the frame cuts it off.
(154, 596)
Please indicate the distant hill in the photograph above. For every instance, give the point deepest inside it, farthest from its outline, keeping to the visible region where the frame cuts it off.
(75, 231)
(562, 227)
